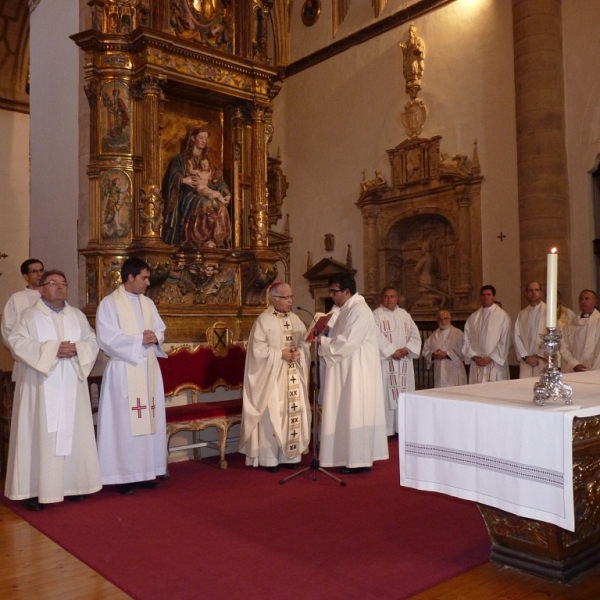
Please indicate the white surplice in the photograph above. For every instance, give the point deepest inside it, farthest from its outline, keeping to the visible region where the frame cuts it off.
(397, 330)
(450, 371)
(530, 324)
(276, 412)
(353, 432)
(581, 343)
(52, 450)
(15, 305)
(124, 457)
(487, 334)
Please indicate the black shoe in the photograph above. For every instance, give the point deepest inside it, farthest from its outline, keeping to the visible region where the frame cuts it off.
(353, 470)
(125, 488)
(75, 498)
(290, 466)
(150, 484)
(33, 504)
(272, 469)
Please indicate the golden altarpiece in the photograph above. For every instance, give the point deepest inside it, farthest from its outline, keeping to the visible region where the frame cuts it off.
(179, 174)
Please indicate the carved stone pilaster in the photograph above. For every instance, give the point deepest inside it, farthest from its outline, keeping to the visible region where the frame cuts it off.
(259, 209)
(464, 287)
(371, 270)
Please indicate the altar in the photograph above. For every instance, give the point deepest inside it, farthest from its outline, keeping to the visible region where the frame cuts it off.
(534, 471)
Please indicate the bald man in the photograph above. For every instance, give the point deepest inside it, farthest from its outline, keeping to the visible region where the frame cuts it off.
(580, 348)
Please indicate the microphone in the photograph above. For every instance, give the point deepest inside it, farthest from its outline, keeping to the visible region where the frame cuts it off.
(312, 319)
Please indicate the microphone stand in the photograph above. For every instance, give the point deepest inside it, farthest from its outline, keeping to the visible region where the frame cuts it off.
(314, 463)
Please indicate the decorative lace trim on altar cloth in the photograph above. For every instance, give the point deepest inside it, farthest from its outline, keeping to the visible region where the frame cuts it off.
(490, 463)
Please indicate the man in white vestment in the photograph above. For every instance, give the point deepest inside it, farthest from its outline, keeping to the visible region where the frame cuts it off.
(580, 348)
(443, 350)
(52, 450)
(132, 437)
(487, 340)
(399, 345)
(276, 413)
(530, 324)
(353, 432)
(31, 271)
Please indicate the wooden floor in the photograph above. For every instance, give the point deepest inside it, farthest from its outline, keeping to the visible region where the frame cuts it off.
(33, 566)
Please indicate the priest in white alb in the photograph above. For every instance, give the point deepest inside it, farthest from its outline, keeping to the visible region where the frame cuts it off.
(276, 415)
(31, 271)
(52, 450)
(487, 340)
(442, 350)
(530, 324)
(399, 345)
(132, 438)
(580, 346)
(353, 433)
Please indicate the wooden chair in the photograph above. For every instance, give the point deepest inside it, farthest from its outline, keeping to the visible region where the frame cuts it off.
(203, 370)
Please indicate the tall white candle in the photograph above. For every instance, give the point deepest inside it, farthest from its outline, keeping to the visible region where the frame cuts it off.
(551, 289)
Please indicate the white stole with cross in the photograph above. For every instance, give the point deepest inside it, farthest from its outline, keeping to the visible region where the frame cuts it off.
(395, 371)
(291, 432)
(140, 385)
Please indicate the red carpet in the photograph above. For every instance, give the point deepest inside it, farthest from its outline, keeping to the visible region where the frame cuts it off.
(238, 534)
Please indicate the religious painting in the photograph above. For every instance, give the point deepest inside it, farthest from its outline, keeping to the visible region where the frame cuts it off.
(115, 188)
(197, 201)
(191, 281)
(115, 117)
(209, 22)
(311, 10)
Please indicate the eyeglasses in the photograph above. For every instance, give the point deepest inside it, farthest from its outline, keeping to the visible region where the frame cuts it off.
(333, 290)
(284, 297)
(31, 271)
(56, 284)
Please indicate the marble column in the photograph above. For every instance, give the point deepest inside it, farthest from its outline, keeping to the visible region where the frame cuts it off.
(541, 149)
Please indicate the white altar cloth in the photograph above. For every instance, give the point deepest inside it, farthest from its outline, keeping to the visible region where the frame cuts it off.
(491, 444)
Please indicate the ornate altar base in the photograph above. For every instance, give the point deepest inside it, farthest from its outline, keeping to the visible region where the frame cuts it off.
(547, 550)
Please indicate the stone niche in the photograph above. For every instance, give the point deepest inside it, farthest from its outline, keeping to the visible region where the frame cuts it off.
(422, 231)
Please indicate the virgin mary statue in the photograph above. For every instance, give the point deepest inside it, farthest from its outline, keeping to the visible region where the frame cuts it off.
(196, 198)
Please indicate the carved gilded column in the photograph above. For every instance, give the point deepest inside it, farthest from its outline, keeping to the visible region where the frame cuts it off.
(371, 271)
(259, 209)
(237, 126)
(149, 205)
(541, 151)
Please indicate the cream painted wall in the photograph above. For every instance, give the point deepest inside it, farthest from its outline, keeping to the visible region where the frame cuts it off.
(14, 207)
(55, 72)
(582, 94)
(339, 117)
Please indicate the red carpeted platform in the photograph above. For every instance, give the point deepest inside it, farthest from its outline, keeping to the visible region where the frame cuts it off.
(237, 534)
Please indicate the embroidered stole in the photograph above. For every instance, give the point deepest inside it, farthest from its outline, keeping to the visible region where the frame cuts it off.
(60, 387)
(291, 434)
(395, 371)
(140, 385)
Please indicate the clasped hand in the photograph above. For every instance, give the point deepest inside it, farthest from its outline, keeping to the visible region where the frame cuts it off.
(149, 338)
(66, 349)
(290, 354)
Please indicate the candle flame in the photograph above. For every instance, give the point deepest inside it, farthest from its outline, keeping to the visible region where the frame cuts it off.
(553, 250)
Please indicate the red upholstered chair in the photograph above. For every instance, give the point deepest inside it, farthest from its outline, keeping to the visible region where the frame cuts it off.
(202, 370)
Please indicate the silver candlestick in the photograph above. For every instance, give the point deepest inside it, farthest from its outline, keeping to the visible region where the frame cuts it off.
(550, 386)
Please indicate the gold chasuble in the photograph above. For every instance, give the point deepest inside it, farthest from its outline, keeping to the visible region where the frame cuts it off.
(140, 381)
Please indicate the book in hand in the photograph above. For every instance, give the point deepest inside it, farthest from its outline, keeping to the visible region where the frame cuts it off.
(321, 320)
